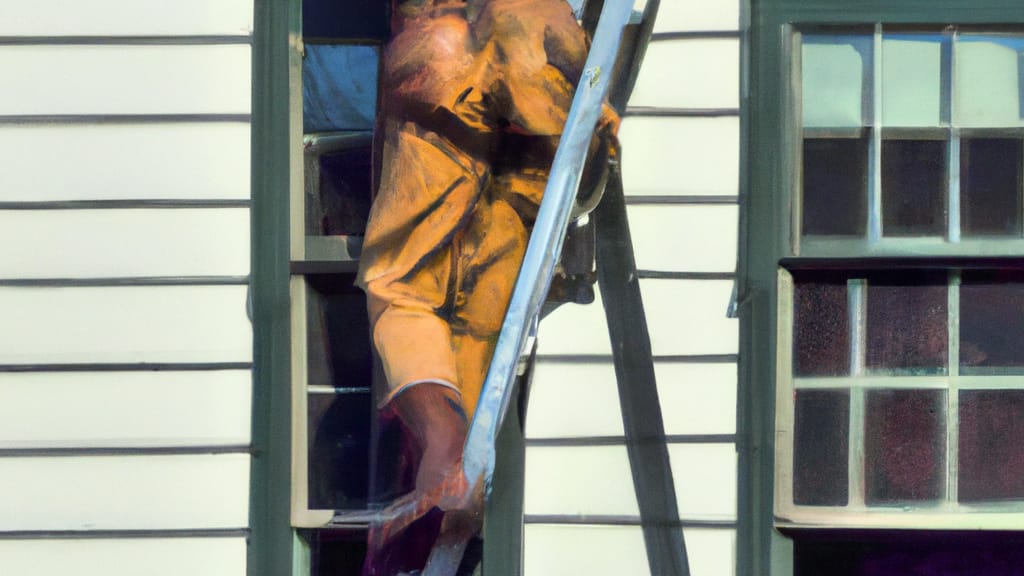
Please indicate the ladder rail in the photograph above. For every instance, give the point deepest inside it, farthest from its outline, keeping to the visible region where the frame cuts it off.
(642, 421)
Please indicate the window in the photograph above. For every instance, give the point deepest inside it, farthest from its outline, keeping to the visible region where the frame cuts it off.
(333, 416)
(900, 387)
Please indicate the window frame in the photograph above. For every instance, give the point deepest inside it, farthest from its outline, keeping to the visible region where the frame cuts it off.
(769, 229)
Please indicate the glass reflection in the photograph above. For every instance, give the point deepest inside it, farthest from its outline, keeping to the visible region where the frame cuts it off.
(907, 323)
(990, 186)
(987, 82)
(991, 445)
(835, 177)
(821, 448)
(991, 322)
(904, 446)
(912, 82)
(835, 77)
(821, 325)
(914, 186)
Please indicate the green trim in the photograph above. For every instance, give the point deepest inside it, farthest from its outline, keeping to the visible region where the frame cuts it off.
(271, 543)
(767, 158)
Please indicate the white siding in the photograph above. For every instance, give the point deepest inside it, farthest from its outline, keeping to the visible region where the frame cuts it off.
(157, 242)
(681, 174)
(705, 477)
(671, 305)
(589, 388)
(124, 492)
(696, 15)
(188, 160)
(674, 238)
(155, 557)
(590, 550)
(697, 398)
(126, 80)
(590, 480)
(125, 409)
(716, 62)
(117, 104)
(125, 17)
(616, 550)
(124, 324)
(681, 156)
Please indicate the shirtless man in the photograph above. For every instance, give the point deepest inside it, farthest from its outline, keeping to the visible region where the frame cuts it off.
(475, 96)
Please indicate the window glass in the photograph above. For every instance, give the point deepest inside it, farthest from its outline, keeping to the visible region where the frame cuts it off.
(904, 446)
(987, 83)
(835, 69)
(990, 186)
(912, 80)
(991, 445)
(992, 323)
(906, 324)
(914, 186)
(835, 177)
(821, 450)
(822, 331)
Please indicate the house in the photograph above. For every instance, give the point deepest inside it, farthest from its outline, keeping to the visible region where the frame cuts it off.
(824, 201)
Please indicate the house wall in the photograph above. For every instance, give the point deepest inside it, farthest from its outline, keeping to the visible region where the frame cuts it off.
(681, 170)
(125, 350)
(126, 353)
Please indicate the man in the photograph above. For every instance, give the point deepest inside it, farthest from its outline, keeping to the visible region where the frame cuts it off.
(474, 98)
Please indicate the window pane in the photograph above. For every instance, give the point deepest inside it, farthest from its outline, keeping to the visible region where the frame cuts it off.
(906, 323)
(914, 183)
(991, 445)
(904, 446)
(821, 448)
(821, 340)
(339, 450)
(835, 176)
(990, 185)
(912, 80)
(338, 333)
(987, 81)
(991, 322)
(835, 71)
(338, 192)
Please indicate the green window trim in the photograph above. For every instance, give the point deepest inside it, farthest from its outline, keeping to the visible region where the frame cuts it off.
(768, 228)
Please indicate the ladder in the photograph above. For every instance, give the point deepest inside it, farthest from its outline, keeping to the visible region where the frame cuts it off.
(616, 267)
(611, 70)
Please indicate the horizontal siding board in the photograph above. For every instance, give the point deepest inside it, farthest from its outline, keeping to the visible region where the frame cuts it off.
(125, 409)
(203, 161)
(670, 68)
(118, 243)
(124, 493)
(684, 317)
(124, 324)
(133, 17)
(680, 156)
(711, 552)
(591, 550)
(126, 79)
(697, 398)
(153, 557)
(698, 15)
(591, 391)
(590, 480)
(705, 480)
(683, 238)
(616, 550)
